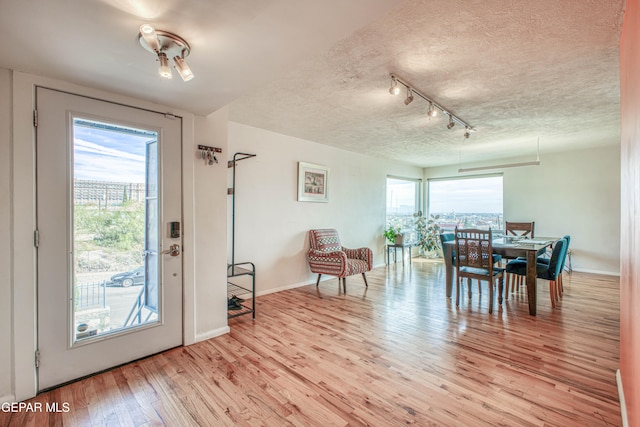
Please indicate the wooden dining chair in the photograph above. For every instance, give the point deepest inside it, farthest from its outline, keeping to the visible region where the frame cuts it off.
(475, 261)
(520, 229)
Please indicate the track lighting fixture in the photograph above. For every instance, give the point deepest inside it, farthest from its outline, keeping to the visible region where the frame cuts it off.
(394, 89)
(166, 45)
(434, 107)
(409, 99)
(451, 122)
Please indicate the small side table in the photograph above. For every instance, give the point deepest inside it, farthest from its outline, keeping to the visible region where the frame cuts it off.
(395, 251)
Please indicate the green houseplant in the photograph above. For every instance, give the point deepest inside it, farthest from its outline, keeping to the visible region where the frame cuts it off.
(392, 234)
(428, 233)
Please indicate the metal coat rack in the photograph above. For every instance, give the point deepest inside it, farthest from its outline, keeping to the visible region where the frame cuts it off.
(232, 191)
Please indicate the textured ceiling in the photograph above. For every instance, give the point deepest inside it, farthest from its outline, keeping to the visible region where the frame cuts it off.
(517, 70)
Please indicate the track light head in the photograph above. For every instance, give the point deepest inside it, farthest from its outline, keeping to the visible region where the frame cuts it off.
(164, 70)
(451, 122)
(432, 111)
(409, 99)
(183, 68)
(394, 89)
(150, 36)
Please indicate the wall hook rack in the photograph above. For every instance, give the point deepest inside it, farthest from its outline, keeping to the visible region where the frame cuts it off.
(208, 153)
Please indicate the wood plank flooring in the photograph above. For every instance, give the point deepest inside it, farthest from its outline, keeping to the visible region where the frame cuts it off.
(397, 353)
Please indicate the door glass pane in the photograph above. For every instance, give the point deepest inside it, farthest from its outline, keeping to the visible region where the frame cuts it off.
(115, 227)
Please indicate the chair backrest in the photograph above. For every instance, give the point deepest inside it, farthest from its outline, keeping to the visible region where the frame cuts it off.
(556, 262)
(325, 240)
(446, 237)
(473, 248)
(566, 251)
(519, 228)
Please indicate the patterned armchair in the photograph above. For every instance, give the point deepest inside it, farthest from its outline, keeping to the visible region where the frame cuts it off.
(327, 256)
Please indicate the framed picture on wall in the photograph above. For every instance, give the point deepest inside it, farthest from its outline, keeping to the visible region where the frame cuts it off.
(313, 182)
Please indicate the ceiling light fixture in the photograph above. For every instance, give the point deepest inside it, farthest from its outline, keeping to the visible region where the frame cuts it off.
(536, 162)
(166, 45)
(434, 107)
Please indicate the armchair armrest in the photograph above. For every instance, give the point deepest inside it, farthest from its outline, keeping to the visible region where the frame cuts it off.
(364, 254)
(334, 263)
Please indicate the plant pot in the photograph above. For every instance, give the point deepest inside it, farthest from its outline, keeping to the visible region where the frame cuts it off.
(399, 240)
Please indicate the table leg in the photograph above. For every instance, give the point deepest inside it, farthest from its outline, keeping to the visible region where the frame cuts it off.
(387, 254)
(532, 276)
(448, 264)
(403, 256)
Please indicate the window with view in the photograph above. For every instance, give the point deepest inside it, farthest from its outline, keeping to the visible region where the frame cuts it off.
(403, 201)
(467, 202)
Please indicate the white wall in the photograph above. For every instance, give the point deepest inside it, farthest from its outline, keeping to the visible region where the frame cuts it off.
(205, 225)
(575, 193)
(210, 234)
(272, 226)
(6, 345)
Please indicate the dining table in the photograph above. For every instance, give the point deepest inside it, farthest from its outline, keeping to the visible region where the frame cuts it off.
(508, 247)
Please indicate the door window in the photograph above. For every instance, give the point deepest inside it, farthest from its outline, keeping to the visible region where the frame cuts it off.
(115, 227)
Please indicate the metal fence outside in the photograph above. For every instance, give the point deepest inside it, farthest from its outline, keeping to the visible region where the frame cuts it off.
(106, 193)
(91, 295)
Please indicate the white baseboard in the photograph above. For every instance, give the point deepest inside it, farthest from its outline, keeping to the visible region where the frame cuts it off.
(604, 273)
(9, 398)
(212, 334)
(623, 403)
(293, 286)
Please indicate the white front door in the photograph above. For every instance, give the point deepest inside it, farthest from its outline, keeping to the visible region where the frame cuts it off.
(109, 242)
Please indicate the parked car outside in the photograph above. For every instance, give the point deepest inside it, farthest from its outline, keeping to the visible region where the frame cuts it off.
(128, 278)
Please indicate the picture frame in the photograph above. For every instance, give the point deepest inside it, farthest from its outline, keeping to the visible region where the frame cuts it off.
(313, 183)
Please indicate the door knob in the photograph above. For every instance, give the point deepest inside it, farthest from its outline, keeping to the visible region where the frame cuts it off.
(174, 250)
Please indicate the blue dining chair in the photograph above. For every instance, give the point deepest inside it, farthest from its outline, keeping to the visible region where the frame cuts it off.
(560, 285)
(550, 271)
(544, 259)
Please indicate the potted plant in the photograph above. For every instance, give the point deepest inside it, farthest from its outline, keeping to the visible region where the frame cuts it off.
(428, 233)
(394, 235)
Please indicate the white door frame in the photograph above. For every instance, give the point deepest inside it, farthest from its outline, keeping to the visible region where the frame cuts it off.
(23, 273)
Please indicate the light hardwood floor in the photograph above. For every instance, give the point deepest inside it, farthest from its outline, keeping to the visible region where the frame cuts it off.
(396, 353)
